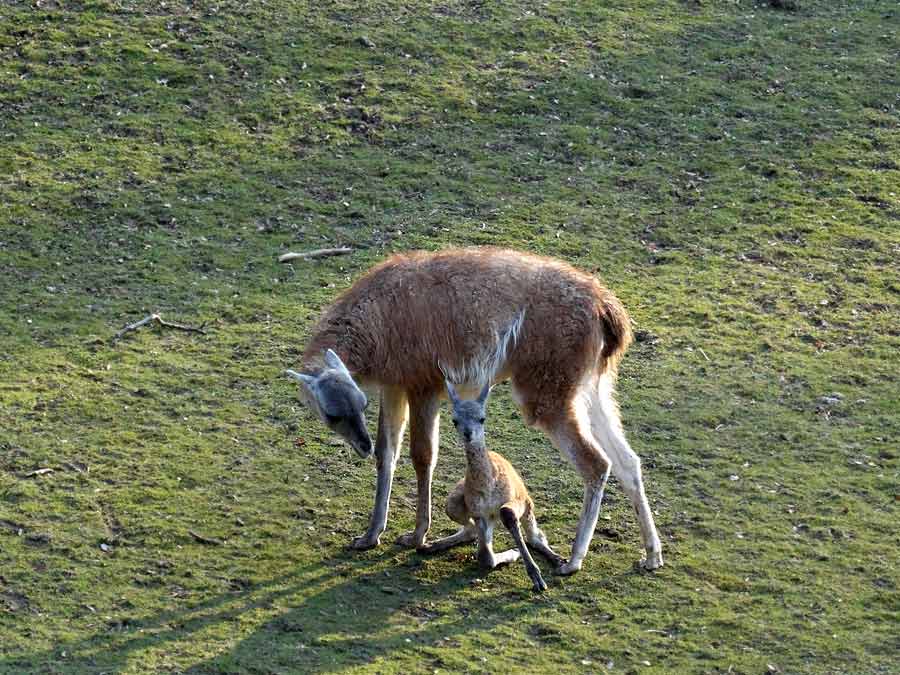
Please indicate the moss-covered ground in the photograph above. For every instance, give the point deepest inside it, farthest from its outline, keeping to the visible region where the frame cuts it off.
(731, 170)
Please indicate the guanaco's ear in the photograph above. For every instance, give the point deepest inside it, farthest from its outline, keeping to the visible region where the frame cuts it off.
(332, 360)
(482, 397)
(310, 390)
(451, 392)
(306, 380)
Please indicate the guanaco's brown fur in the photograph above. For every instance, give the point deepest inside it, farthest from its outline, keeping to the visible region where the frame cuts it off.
(556, 332)
(417, 310)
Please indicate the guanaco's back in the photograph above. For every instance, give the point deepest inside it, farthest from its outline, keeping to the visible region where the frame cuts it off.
(458, 309)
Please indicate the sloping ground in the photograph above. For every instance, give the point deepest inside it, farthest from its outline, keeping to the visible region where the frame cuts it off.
(730, 169)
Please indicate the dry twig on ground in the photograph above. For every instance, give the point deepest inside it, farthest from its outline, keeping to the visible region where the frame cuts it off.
(156, 318)
(38, 472)
(210, 541)
(317, 253)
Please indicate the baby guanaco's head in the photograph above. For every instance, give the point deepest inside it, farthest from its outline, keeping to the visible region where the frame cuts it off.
(469, 416)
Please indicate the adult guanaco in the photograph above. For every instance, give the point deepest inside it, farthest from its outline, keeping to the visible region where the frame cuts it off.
(492, 492)
(478, 315)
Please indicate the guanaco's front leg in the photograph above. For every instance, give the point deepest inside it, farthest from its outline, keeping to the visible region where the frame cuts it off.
(391, 424)
(423, 446)
(485, 545)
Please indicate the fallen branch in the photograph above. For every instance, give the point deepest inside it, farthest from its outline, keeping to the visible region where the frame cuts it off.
(38, 472)
(156, 318)
(210, 541)
(317, 253)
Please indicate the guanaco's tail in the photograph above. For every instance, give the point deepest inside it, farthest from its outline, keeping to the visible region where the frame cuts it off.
(616, 326)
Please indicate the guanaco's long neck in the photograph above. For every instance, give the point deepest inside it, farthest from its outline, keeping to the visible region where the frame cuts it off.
(479, 469)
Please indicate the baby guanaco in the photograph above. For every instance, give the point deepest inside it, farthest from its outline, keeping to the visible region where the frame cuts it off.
(491, 491)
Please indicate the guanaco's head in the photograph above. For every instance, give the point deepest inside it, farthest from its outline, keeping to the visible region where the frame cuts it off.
(334, 397)
(469, 416)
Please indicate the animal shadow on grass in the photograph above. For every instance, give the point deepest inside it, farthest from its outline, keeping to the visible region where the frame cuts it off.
(341, 607)
(111, 648)
(370, 615)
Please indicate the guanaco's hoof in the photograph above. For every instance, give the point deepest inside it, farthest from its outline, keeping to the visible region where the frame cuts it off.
(410, 540)
(364, 543)
(567, 569)
(653, 561)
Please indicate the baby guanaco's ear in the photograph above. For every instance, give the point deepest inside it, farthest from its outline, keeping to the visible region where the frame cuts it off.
(451, 392)
(482, 397)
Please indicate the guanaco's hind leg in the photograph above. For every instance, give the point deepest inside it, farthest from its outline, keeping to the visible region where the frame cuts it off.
(391, 423)
(577, 444)
(606, 427)
(511, 520)
(423, 447)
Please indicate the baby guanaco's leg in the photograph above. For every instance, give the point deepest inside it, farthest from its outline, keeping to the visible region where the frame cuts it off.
(456, 509)
(536, 539)
(458, 512)
(464, 535)
(511, 521)
(487, 559)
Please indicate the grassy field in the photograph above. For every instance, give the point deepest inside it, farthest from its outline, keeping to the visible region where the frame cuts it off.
(730, 169)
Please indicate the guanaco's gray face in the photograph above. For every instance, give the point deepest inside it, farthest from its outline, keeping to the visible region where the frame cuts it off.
(469, 416)
(339, 403)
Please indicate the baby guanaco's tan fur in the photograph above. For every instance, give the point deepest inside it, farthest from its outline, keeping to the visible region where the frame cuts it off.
(491, 492)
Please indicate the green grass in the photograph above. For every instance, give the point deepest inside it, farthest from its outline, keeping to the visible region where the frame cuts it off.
(731, 170)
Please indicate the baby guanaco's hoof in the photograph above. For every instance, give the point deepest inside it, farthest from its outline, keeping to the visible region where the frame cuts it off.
(539, 584)
(653, 561)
